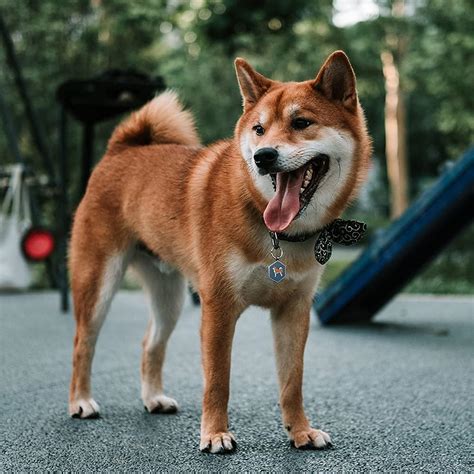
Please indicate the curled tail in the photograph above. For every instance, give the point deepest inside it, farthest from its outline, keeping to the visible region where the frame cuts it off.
(161, 121)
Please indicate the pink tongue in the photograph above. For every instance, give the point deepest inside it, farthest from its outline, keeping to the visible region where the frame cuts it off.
(283, 207)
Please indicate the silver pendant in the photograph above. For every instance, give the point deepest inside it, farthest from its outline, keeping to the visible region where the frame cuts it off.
(277, 271)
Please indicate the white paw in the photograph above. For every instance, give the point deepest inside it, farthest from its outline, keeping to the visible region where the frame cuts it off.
(218, 443)
(84, 408)
(311, 439)
(161, 404)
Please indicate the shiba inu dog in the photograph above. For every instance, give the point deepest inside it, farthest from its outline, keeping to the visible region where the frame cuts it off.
(175, 211)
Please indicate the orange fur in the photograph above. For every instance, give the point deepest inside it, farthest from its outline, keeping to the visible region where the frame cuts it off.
(161, 121)
(200, 211)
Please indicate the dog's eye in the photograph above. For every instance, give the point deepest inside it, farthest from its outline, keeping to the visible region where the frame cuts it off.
(300, 123)
(259, 130)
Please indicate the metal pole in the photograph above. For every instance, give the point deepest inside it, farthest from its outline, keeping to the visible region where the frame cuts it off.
(20, 83)
(87, 156)
(63, 212)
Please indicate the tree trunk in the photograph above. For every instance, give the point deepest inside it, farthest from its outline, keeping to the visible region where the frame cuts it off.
(395, 137)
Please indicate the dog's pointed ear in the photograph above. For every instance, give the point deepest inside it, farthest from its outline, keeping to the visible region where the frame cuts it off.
(252, 84)
(336, 80)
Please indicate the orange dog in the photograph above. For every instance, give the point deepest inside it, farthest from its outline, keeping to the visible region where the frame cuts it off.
(173, 210)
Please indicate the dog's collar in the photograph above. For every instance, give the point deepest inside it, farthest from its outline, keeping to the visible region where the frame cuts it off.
(344, 232)
(297, 237)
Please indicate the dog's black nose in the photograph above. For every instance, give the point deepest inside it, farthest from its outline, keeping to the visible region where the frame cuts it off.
(265, 158)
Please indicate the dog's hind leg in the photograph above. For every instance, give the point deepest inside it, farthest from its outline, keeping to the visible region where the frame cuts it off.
(95, 279)
(166, 292)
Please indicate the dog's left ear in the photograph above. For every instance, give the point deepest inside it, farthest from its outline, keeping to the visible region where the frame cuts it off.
(252, 84)
(336, 80)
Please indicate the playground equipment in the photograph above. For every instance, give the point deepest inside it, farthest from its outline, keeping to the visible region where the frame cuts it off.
(38, 243)
(89, 101)
(397, 254)
(98, 99)
(92, 101)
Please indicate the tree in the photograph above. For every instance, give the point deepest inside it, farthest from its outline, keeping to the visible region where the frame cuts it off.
(395, 117)
(193, 44)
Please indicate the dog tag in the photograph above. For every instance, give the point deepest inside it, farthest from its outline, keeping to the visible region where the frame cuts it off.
(277, 271)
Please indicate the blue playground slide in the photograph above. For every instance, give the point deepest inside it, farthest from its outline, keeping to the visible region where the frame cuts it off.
(396, 255)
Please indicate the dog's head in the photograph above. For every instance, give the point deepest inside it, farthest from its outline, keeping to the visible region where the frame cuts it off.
(305, 143)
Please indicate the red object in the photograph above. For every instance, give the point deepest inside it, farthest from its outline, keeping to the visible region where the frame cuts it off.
(38, 244)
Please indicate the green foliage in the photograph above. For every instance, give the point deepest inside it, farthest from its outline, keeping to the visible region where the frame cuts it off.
(193, 45)
(435, 74)
(209, 89)
(441, 69)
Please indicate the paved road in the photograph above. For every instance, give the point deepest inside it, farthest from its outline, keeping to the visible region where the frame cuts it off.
(395, 395)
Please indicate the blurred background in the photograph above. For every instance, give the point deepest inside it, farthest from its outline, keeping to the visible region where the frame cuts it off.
(414, 62)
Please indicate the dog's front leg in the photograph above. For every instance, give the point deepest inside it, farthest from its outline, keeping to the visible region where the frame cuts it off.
(217, 331)
(290, 324)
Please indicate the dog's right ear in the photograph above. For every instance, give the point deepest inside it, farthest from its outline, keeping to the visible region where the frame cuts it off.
(252, 84)
(336, 80)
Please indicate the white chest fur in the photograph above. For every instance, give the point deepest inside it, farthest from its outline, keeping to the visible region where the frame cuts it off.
(253, 285)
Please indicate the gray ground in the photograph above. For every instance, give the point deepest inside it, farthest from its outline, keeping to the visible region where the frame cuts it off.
(394, 395)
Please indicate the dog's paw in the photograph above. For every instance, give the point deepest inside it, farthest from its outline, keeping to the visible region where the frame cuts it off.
(161, 404)
(311, 439)
(218, 443)
(84, 408)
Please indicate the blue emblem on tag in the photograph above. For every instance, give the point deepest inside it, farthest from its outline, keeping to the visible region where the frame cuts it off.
(277, 271)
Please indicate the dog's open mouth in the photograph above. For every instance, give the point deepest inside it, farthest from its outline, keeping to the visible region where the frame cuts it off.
(293, 192)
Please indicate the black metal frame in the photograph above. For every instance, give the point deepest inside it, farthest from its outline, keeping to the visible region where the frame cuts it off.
(36, 132)
(90, 102)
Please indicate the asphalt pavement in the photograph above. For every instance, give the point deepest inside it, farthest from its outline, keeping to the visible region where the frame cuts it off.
(395, 395)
